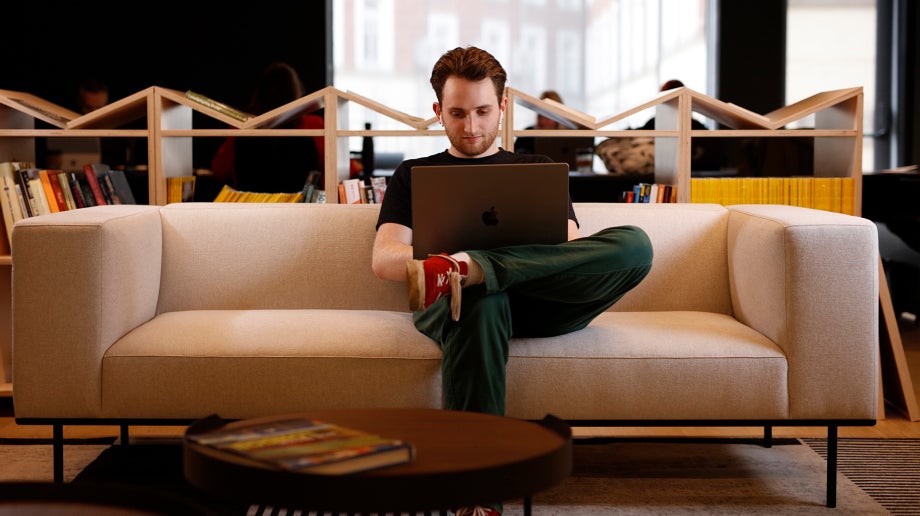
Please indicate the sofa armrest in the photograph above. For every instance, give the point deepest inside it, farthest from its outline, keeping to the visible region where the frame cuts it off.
(81, 280)
(808, 280)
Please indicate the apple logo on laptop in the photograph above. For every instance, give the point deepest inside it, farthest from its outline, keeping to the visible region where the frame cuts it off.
(490, 217)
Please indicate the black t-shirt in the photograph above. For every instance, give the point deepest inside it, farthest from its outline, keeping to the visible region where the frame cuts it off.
(397, 202)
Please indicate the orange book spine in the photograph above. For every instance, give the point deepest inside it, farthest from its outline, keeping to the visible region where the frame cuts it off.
(56, 187)
(49, 192)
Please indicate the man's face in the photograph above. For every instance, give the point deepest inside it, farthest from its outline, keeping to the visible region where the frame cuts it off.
(471, 114)
(544, 122)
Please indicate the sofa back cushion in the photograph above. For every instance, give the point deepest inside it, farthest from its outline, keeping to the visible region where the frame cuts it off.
(282, 256)
(690, 263)
(246, 255)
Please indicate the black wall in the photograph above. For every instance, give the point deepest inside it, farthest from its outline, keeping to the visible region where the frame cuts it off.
(751, 54)
(48, 50)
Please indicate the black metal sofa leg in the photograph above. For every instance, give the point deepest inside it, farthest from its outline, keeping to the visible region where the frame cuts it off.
(57, 452)
(832, 466)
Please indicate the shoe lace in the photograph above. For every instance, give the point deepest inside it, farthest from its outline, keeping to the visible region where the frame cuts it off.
(455, 280)
(476, 511)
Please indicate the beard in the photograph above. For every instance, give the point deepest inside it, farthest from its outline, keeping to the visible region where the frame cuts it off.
(476, 148)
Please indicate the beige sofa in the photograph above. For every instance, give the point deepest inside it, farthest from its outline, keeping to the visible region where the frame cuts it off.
(751, 315)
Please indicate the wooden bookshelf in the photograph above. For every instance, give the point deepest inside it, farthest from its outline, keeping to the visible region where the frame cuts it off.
(170, 131)
(837, 132)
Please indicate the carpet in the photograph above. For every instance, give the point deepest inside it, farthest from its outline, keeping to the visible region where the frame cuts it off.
(887, 469)
(611, 476)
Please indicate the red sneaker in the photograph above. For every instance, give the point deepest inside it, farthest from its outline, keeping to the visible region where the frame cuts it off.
(433, 278)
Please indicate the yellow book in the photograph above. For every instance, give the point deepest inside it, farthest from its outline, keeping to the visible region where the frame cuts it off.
(807, 192)
(714, 187)
(822, 193)
(223, 194)
(775, 190)
(836, 190)
(730, 191)
(696, 190)
(748, 193)
(847, 196)
(796, 197)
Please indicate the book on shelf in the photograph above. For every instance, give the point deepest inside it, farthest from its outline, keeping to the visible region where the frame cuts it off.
(55, 183)
(49, 191)
(180, 189)
(308, 446)
(108, 186)
(352, 191)
(92, 172)
(64, 181)
(823, 193)
(11, 201)
(651, 193)
(220, 107)
(81, 179)
(119, 184)
(310, 185)
(369, 194)
(229, 194)
(30, 208)
(319, 196)
(379, 184)
(76, 190)
(32, 177)
(307, 193)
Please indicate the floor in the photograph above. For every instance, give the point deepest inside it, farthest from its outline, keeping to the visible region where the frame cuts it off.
(895, 425)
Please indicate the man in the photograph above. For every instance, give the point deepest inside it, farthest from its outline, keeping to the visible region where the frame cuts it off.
(473, 302)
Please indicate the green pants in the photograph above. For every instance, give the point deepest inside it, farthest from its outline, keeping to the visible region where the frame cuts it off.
(529, 291)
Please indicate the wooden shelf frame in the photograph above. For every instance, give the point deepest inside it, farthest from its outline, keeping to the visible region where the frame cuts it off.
(170, 130)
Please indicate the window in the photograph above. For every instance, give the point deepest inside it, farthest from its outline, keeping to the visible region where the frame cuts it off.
(824, 55)
(602, 56)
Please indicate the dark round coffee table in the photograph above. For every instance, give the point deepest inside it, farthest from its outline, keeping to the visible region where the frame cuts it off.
(461, 459)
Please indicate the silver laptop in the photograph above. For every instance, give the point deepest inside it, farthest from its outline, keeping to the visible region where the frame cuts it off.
(464, 207)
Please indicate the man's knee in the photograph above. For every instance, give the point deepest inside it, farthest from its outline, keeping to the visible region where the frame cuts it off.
(629, 244)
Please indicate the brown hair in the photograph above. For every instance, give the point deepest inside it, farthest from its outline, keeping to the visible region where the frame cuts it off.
(671, 84)
(470, 63)
(551, 94)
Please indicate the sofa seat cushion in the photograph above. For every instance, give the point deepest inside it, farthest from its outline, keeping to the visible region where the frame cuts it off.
(248, 363)
(650, 366)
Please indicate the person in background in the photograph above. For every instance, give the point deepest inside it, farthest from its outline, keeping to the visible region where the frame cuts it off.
(272, 164)
(670, 85)
(707, 153)
(526, 144)
(92, 94)
(473, 302)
